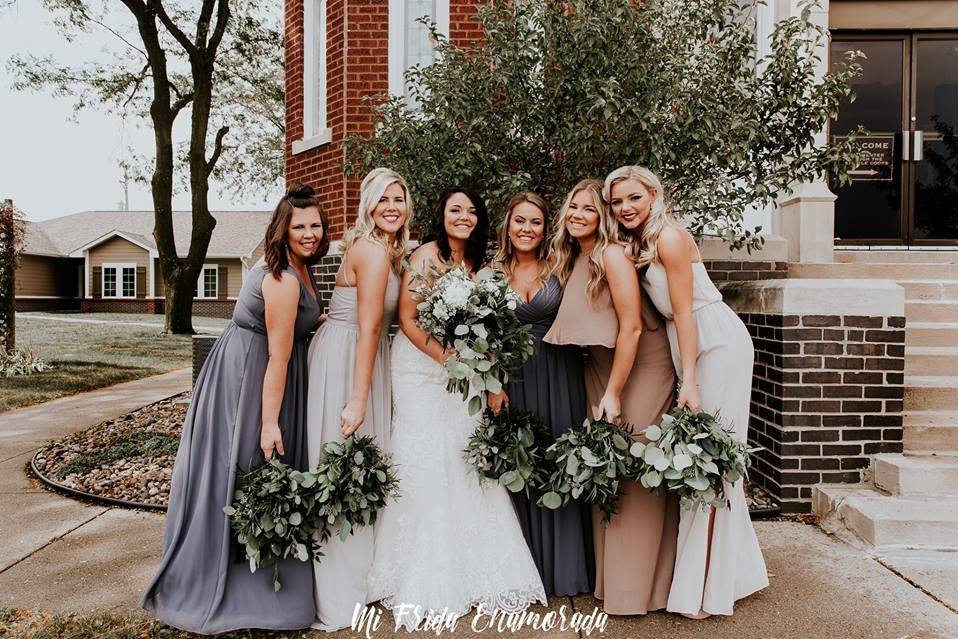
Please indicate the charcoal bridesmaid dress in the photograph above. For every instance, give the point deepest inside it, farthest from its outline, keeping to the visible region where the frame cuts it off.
(551, 385)
(203, 583)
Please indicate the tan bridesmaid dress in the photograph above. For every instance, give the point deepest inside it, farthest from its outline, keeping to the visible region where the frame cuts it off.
(635, 553)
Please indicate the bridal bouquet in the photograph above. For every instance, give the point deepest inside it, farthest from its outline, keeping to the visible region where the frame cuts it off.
(478, 319)
(280, 513)
(509, 448)
(589, 461)
(274, 515)
(693, 456)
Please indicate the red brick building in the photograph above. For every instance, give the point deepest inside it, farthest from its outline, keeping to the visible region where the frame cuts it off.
(339, 53)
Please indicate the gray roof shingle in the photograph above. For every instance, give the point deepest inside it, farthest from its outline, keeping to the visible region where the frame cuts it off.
(237, 233)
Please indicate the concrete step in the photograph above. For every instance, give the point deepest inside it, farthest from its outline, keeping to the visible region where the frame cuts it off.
(887, 521)
(931, 392)
(932, 311)
(930, 290)
(896, 272)
(916, 474)
(935, 431)
(931, 360)
(887, 256)
(931, 333)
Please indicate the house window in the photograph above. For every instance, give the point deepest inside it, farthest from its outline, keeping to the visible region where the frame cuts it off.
(119, 280)
(314, 77)
(409, 43)
(207, 286)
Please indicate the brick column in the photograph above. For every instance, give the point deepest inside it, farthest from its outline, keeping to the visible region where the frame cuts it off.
(828, 380)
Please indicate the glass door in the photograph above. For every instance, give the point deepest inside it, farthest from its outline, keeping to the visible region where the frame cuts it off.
(870, 209)
(934, 166)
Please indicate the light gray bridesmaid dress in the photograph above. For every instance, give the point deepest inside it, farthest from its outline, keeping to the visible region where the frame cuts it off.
(340, 575)
(203, 583)
(723, 368)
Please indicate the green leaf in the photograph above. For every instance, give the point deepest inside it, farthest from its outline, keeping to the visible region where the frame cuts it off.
(551, 500)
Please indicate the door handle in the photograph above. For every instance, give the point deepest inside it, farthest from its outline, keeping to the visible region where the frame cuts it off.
(917, 143)
(906, 146)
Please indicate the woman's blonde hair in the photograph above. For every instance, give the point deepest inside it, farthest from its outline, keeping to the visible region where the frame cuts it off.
(642, 247)
(505, 256)
(565, 248)
(372, 188)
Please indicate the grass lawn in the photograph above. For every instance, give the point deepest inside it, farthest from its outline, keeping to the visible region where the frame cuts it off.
(86, 355)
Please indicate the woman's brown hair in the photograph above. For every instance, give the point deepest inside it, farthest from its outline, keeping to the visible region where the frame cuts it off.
(298, 196)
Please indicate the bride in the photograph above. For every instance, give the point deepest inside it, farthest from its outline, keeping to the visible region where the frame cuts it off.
(448, 543)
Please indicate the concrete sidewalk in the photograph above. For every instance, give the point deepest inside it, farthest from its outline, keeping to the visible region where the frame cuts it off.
(61, 555)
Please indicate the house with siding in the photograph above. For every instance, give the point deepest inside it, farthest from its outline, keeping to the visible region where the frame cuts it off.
(853, 302)
(108, 261)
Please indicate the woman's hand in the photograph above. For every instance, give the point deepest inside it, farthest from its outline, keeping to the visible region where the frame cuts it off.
(270, 439)
(689, 396)
(352, 417)
(609, 408)
(498, 401)
(447, 352)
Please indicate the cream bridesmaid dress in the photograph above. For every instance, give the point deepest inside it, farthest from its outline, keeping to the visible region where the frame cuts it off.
(736, 567)
(340, 575)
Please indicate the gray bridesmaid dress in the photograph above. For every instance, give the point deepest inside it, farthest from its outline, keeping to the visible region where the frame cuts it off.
(551, 385)
(203, 583)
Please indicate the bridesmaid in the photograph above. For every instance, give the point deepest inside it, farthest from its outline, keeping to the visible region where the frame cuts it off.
(719, 560)
(627, 379)
(349, 385)
(550, 385)
(249, 401)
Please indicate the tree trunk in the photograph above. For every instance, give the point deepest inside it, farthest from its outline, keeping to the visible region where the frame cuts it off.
(8, 273)
(179, 302)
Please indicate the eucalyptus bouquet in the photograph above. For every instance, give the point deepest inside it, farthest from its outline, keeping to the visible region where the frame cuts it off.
(509, 447)
(274, 516)
(279, 513)
(589, 461)
(478, 319)
(354, 479)
(692, 455)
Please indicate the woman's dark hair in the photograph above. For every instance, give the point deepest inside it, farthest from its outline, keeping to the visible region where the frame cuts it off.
(298, 196)
(478, 240)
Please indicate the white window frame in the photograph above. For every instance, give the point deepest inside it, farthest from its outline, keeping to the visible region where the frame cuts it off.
(201, 289)
(118, 266)
(397, 40)
(315, 131)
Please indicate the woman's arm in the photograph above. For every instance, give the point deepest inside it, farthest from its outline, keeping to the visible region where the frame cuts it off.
(371, 265)
(675, 253)
(421, 258)
(281, 299)
(625, 290)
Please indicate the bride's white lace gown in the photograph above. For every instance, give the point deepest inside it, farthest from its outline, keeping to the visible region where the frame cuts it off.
(448, 543)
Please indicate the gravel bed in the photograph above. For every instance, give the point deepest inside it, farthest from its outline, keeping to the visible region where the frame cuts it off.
(146, 438)
(144, 477)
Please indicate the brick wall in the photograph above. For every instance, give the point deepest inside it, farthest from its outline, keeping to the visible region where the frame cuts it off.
(325, 275)
(744, 270)
(827, 390)
(357, 72)
(201, 308)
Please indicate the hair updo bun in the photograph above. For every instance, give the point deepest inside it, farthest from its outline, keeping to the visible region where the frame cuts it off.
(301, 195)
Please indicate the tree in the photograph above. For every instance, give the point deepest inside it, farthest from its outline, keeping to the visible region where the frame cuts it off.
(556, 91)
(218, 60)
(11, 239)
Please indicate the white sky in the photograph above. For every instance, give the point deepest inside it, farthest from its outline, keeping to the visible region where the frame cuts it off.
(51, 165)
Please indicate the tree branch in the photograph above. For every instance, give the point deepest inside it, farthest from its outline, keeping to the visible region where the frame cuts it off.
(217, 149)
(222, 18)
(181, 103)
(174, 30)
(203, 23)
(137, 83)
(118, 35)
